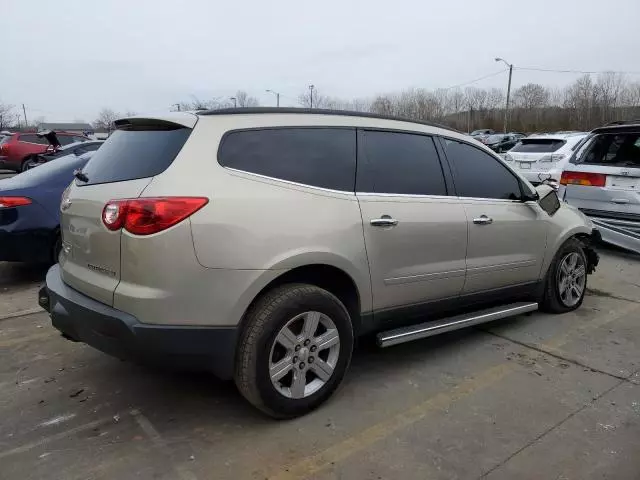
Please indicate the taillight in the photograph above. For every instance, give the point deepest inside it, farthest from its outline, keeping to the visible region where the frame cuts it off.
(10, 202)
(144, 216)
(586, 179)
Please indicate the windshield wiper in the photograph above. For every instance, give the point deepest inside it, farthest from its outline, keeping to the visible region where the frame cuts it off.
(80, 176)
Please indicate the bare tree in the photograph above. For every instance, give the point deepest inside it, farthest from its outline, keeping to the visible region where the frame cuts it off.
(105, 119)
(245, 101)
(8, 117)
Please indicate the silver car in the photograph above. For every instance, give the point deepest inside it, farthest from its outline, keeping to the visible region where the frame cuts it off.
(602, 179)
(259, 243)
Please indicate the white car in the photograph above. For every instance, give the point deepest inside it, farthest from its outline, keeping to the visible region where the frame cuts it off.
(538, 157)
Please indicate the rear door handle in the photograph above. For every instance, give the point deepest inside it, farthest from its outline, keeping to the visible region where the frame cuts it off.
(620, 201)
(384, 221)
(483, 220)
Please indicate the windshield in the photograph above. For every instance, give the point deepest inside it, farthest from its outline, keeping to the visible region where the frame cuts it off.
(494, 138)
(538, 145)
(479, 132)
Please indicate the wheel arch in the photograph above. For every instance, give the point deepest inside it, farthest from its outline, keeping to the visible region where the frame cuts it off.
(326, 276)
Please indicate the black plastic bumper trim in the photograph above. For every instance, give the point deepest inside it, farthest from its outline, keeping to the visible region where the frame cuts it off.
(121, 335)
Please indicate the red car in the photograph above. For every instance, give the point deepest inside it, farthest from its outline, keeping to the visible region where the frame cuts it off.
(17, 148)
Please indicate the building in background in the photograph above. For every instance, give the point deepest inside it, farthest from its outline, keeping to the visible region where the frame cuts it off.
(84, 128)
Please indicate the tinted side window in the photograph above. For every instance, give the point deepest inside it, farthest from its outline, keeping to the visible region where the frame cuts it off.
(33, 139)
(321, 157)
(402, 163)
(479, 175)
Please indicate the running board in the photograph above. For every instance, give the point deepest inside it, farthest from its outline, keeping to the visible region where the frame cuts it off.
(436, 327)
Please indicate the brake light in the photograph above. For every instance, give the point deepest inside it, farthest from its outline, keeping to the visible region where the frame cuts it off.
(10, 202)
(587, 179)
(145, 216)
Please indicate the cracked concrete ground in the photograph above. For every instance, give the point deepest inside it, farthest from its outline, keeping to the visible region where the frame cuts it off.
(535, 397)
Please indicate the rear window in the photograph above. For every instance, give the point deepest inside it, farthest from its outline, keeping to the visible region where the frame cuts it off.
(538, 145)
(319, 157)
(132, 154)
(494, 138)
(616, 150)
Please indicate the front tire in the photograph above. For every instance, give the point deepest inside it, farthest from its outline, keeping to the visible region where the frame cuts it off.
(294, 351)
(566, 280)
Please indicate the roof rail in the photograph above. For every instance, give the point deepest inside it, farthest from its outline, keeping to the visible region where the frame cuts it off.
(317, 111)
(623, 122)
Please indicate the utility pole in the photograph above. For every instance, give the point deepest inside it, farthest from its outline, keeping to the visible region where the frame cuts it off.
(235, 101)
(177, 105)
(277, 96)
(506, 110)
(24, 110)
(311, 87)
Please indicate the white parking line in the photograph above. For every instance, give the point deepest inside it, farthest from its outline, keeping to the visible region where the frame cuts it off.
(20, 313)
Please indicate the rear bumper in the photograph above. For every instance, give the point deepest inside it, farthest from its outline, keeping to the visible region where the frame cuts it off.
(121, 335)
(620, 229)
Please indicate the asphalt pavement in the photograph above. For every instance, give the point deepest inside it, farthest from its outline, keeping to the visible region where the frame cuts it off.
(534, 397)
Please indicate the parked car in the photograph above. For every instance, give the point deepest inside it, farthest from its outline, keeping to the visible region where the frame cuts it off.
(543, 157)
(76, 149)
(501, 142)
(482, 133)
(602, 179)
(17, 149)
(258, 243)
(30, 210)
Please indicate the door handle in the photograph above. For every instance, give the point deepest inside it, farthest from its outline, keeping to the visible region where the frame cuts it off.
(483, 220)
(620, 201)
(384, 221)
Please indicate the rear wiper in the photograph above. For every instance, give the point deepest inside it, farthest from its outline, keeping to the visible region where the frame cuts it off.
(80, 176)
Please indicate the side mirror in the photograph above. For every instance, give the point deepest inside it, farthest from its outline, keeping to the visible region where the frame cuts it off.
(548, 200)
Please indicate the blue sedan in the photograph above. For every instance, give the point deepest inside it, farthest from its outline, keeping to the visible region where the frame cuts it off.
(30, 210)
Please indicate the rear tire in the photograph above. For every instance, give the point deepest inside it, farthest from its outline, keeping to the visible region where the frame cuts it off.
(566, 280)
(294, 351)
(29, 163)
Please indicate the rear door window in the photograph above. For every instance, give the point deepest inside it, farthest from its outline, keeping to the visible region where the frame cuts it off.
(319, 157)
(400, 163)
(538, 145)
(136, 153)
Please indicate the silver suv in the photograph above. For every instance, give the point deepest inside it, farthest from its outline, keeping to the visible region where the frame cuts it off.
(602, 179)
(259, 243)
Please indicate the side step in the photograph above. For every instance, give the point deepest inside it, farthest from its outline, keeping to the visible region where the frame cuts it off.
(436, 327)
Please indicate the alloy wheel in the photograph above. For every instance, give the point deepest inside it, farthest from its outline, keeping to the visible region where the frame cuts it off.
(304, 355)
(572, 278)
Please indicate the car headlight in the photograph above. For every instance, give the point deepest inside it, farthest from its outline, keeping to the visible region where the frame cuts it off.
(508, 158)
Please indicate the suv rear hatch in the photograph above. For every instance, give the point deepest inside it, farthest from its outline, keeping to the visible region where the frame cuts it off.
(138, 150)
(536, 153)
(603, 180)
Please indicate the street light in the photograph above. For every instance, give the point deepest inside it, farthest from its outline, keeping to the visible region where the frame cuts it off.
(311, 87)
(277, 96)
(235, 101)
(506, 110)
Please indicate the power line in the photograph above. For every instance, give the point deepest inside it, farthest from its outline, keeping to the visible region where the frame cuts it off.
(534, 69)
(475, 80)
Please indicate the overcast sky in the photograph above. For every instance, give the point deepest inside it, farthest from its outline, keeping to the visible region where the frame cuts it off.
(67, 59)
